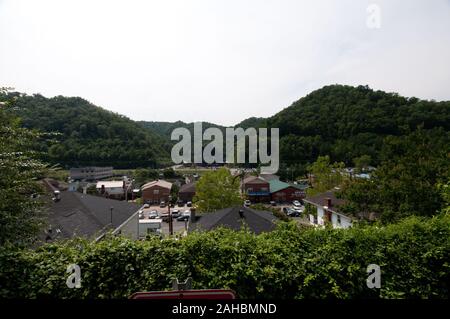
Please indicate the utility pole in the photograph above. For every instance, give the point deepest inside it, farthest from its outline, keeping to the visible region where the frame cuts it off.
(111, 214)
(170, 217)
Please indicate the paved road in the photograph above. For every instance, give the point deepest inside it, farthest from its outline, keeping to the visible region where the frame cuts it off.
(178, 227)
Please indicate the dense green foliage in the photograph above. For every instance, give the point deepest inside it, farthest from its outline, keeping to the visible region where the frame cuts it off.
(347, 122)
(255, 122)
(344, 122)
(326, 175)
(20, 209)
(407, 180)
(90, 135)
(165, 129)
(216, 190)
(414, 257)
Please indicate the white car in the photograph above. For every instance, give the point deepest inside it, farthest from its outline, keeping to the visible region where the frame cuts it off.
(298, 209)
(153, 214)
(184, 216)
(296, 203)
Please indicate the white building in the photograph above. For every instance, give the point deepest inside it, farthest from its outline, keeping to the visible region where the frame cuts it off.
(92, 173)
(327, 206)
(111, 188)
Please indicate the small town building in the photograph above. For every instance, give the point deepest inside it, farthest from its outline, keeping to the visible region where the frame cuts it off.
(270, 177)
(256, 188)
(186, 192)
(91, 173)
(282, 192)
(235, 218)
(326, 210)
(76, 214)
(111, 189)
(156, 192)
(149, 227)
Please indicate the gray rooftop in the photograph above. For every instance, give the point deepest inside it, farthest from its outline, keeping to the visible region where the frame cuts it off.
(89, 216)
(256, 220)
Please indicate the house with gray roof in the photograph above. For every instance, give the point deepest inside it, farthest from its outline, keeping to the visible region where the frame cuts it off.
(236, 218)
(75, 214)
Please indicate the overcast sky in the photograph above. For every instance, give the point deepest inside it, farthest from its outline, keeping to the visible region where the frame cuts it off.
(220, 61)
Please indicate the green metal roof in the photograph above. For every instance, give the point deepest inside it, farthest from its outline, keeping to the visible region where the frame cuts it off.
(276, 185)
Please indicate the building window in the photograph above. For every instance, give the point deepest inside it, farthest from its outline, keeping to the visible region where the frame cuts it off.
(249, 190)
(264, 189)
(156, 191)
(339, 219)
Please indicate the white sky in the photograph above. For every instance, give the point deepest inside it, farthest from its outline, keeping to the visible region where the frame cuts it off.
(220, 61)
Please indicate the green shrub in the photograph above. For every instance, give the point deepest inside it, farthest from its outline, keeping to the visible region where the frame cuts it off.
(414, 256)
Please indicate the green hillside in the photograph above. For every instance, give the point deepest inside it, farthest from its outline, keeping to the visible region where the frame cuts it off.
(89, 135)
(165, 129)
(346, 122)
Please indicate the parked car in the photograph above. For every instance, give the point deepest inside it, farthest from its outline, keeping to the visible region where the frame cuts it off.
(296, 203)
(180, 203)
(162, 204)
(247, 203)
(153, 214)
(291, 212)
(164, 216)
(273, 203)
(146, 206)
(184, 216)
(189, 204)
(141, 215)
(299, 209)
(175, 213)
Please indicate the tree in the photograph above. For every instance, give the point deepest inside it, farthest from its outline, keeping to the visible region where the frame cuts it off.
(326, 175)
(407, 181)
(89, 132)
(216, 190)
(21, 216)
(362, 163)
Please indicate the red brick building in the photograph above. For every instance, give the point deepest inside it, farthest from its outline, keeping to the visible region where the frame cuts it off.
(187, 192)
(156, 192)
(281, 192)
(256, 188)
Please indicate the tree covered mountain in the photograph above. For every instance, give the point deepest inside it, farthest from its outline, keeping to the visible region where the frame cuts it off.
(341, 121)
(165, 129)
(347, 122)
(89, 135)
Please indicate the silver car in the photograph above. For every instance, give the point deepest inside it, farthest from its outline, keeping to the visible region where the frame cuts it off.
(153, 214)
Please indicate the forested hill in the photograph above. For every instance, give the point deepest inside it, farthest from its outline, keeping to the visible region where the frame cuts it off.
(165, 129)
(346, 122)
(90, 135)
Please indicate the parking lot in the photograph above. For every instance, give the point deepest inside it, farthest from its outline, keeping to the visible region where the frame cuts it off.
(178, 226)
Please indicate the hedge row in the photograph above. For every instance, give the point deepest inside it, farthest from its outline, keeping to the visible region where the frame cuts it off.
(414, 257)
